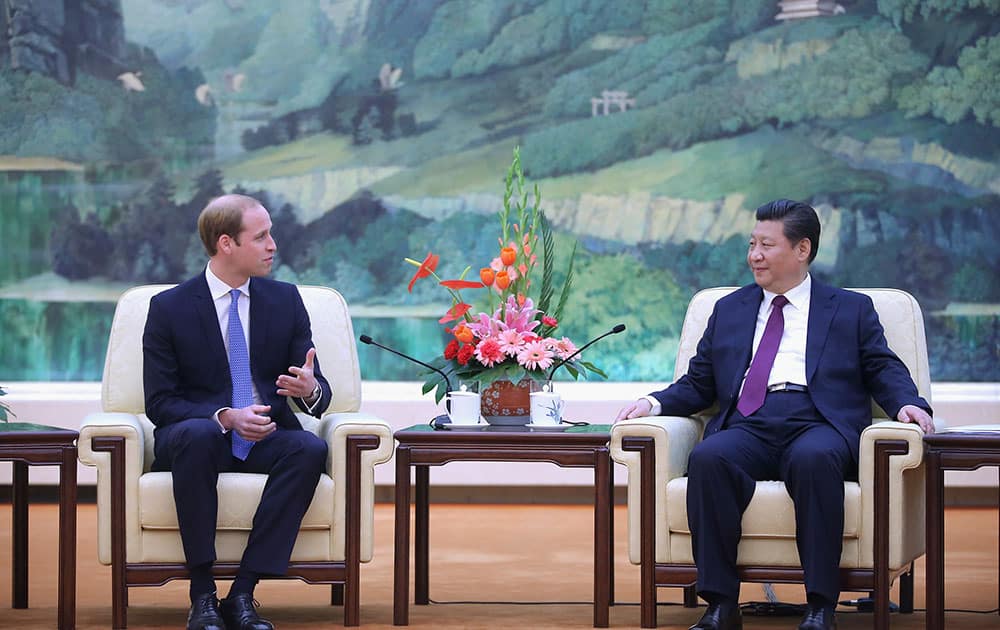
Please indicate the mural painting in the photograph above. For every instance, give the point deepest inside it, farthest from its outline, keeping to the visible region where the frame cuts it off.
(376, 130)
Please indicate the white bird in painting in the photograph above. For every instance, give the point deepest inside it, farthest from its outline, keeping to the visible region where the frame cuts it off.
(388, 77)
(234, 81)
(130, 81)
(203, 94)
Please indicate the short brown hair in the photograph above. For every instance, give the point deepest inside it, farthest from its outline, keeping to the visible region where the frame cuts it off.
(223, 215)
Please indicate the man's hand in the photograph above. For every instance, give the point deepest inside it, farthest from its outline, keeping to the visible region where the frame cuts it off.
(638, 409)
(299, 382)
(912, 413)
(252, 423)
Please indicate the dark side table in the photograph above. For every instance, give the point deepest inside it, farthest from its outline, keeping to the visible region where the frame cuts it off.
(421, 447)
(27, 444)
(949, 450)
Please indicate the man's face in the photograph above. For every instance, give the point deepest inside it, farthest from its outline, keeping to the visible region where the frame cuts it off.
(777, 264)
(255, 253)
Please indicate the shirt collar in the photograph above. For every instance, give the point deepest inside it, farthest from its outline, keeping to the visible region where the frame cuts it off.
(797, 296)
(217, 288)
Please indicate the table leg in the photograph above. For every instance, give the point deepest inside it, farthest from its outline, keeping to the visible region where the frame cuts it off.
(67, 539)
(421, 561)
(19, 538)
(611, 533)
(401, 573)
(602, 539)
(935, 541)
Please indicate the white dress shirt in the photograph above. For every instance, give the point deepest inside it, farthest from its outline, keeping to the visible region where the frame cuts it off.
(219, 291)
(790, 362)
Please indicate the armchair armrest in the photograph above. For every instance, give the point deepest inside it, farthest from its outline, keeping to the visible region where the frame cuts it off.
(672, 437)
(905, 488)
(108, 427)
(339, 431)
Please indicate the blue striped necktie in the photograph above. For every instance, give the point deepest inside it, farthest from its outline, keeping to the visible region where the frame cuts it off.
(239, 370)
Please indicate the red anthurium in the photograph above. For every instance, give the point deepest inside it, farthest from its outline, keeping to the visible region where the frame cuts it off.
(455, 312)
(461, 284)
(426, 268)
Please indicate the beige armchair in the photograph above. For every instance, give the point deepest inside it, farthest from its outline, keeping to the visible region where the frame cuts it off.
(888, 497)
(137, 521)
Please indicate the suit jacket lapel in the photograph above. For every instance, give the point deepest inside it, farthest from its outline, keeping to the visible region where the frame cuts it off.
(208, 318)
(822, 307)
(259, 313)
(743, 323)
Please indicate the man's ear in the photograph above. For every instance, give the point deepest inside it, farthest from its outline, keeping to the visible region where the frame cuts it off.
(224, 244)
(803, 249)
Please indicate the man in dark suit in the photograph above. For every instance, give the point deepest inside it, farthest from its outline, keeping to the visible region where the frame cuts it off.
(222, 355)
(793, 364)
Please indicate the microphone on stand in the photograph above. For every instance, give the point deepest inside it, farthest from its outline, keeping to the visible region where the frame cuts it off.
(442, 419)
(614, 331)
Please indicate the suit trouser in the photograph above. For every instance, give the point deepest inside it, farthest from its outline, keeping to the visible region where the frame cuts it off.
(787, 440)
(196, 451)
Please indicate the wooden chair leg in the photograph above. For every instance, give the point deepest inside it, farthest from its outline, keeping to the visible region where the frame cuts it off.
(690, 596)
(337, 594)
(906, 591)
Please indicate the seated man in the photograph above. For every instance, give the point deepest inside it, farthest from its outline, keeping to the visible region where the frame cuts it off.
(793, 364)
(222, 354)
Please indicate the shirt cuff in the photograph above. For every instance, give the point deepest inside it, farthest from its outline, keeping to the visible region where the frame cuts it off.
(310, 408)
(654, 404)
(215, 416)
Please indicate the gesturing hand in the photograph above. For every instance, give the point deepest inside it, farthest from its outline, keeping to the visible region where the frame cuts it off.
(299, 382)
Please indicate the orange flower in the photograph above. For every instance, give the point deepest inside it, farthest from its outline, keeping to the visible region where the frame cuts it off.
(502, 280)
(462, 333)
(425, 269)
(487, 276)
(507, 256)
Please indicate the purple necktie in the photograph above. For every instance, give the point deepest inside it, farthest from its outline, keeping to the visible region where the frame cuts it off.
(755, 383)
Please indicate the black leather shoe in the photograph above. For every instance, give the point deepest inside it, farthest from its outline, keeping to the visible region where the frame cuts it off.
(818, 619)
(204, 614)
(240, 614)
(719, 618)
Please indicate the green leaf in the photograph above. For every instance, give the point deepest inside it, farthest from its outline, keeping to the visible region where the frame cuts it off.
(564, 296)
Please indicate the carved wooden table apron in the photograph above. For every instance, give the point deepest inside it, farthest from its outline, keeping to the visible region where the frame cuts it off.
(421, 447)
(951, 450)
(27, 444)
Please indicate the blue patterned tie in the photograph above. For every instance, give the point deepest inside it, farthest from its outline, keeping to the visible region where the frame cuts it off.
(239, 370)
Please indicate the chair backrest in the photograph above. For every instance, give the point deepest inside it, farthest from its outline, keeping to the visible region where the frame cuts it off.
(898, 311)
(332, 334)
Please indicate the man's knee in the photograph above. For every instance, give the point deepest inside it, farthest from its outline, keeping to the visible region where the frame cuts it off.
(705, 456)
(311, 450)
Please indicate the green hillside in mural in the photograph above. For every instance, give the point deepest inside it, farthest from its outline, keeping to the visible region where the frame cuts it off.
(379, 130)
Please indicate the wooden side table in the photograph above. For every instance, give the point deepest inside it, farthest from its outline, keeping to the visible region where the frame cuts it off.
(954, 449)
(27, 444)
(421, 446)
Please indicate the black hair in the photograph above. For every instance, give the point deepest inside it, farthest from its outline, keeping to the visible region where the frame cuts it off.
(799, 220)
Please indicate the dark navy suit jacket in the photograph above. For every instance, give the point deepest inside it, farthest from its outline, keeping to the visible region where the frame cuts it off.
(848, 362)
(185, 365)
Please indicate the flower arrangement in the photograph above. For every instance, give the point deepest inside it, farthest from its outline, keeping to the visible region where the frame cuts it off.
(516, 336)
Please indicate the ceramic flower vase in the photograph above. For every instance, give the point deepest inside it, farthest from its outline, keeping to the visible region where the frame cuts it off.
(506, 402)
